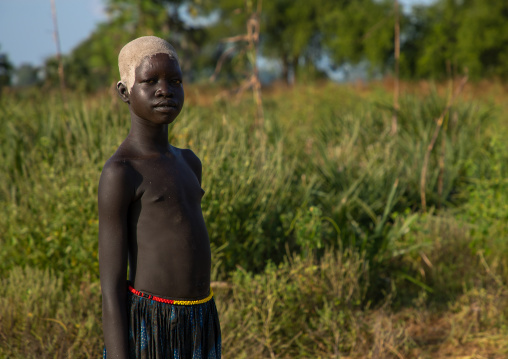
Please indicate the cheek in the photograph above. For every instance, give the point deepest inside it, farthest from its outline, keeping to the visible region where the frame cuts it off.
(181, 94)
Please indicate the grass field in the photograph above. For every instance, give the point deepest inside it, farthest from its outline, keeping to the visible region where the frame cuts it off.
(320, 243)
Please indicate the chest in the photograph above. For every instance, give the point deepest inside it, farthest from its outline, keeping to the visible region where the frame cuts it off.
(169, 182)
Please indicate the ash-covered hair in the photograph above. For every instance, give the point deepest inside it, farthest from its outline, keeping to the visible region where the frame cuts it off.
(134, 52)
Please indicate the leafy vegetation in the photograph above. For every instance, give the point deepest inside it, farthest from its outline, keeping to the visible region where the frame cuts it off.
(305, 39)
(317, 229)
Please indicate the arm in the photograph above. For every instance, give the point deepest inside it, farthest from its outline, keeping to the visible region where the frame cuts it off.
(115, 194)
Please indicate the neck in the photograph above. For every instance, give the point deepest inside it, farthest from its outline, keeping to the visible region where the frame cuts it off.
(148, 136)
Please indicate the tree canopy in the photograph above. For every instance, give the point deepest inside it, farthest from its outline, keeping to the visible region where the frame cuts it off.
(447, 35)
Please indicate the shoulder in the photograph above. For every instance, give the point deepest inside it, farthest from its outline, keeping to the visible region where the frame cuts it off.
(117, 176)
(192, 160)
(120, 166)
(188, 156)
(117, 168)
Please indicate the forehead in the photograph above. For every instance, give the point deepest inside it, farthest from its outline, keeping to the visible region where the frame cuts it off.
(158, 63)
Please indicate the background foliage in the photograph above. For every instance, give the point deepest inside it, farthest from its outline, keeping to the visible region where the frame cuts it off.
(320, 226)
(305, 40)
(321, 247)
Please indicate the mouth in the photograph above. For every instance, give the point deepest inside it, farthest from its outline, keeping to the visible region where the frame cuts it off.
(166, 106)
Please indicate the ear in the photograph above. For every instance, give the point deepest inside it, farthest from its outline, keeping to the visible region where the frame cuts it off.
(122, 91)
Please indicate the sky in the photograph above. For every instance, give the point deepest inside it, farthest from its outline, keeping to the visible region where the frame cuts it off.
(26, 26)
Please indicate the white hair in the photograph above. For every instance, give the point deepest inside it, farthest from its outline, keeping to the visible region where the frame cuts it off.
(133, 53)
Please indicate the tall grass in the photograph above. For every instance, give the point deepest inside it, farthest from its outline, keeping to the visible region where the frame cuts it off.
(42, 318)
(311, 227)
(335, 157)
(302, 308)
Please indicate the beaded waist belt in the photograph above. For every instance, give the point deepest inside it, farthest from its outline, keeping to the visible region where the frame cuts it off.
(170, 301)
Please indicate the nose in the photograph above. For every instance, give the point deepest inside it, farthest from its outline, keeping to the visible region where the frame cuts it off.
(164, 89)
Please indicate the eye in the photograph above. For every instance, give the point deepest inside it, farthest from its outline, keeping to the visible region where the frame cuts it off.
(150, 81)
(177, 82)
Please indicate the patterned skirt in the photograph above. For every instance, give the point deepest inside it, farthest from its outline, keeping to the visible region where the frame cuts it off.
(162, 328)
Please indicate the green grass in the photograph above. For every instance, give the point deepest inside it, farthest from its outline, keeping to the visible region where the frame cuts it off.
(318, 229)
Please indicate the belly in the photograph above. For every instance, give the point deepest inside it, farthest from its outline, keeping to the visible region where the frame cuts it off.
(171, 254)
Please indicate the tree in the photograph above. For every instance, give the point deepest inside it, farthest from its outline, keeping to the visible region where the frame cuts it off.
(459, 34)
(354, 31)
(5, 71)
(439, 43)
(482, 38)
(298, 33)
(291, 27)
(414, 28)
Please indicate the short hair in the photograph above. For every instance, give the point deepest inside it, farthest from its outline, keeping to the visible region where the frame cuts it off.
(133, 53)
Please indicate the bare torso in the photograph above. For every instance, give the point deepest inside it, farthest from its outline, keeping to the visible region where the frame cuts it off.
(169, 248)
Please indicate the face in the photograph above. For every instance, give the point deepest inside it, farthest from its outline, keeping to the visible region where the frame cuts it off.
(157, 93)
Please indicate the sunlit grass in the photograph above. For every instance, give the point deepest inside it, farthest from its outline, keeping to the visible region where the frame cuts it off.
(317, 230)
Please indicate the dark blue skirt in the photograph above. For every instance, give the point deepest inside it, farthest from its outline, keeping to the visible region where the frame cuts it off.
(161, 330)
